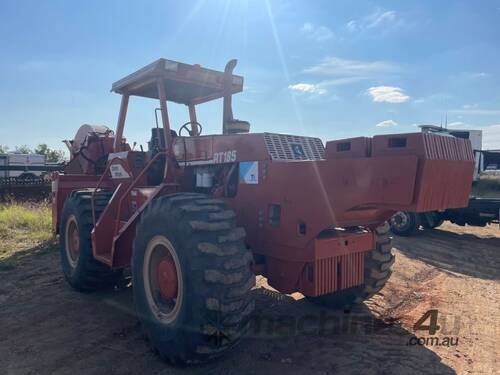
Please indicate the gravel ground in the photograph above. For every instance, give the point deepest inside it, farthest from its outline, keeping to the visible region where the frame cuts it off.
(46, 328)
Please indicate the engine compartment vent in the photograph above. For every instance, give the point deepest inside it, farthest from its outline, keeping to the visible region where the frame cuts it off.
(291, 147)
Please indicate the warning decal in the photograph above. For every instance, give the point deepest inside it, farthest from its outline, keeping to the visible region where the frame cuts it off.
(117, 171)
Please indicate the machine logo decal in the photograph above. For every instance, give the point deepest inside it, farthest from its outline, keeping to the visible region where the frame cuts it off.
(249, 172)
(225, 156)
(298, 150)
(117, 171)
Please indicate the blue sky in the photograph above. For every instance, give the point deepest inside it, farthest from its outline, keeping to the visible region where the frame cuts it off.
(320, 68)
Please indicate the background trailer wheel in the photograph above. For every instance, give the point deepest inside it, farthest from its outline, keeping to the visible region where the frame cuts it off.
(431, 220)
(378, 263)
(80, 269)
(191, 277)
(404, 223)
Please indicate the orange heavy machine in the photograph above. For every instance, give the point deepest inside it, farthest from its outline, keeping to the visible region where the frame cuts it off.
(196, 216)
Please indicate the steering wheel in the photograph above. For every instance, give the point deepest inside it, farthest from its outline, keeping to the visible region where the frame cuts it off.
(185, 127)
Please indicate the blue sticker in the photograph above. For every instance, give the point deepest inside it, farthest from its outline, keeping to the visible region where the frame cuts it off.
(249, 172)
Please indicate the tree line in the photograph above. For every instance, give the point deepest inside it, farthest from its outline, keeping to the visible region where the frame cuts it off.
(51, 155)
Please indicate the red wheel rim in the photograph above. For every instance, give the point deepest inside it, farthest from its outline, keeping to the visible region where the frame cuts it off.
(162, 277)
(72, 240)
(167, 278)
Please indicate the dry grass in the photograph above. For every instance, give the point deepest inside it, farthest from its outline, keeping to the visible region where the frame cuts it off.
(22, 225)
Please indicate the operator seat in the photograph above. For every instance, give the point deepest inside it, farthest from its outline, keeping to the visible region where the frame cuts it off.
(156, 145)
(157, 141)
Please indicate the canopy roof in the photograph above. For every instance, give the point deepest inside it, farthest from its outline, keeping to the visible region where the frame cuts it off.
(184, 83)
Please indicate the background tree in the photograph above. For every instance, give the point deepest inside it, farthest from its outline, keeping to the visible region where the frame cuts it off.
(51, 155)
(23, 149)
(55, 156)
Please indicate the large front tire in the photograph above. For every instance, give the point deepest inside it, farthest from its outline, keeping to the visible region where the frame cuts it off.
(81, 270)
(378, 263)
(191, 277)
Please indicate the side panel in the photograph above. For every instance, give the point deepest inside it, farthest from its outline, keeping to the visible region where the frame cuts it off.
(314, 196)
(362, 182)
(438, 187)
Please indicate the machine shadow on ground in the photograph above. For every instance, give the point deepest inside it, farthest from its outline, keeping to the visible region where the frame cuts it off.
(49, 328)
(462, 253)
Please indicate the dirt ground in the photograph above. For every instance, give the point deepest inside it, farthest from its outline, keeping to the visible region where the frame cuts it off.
(46, 328)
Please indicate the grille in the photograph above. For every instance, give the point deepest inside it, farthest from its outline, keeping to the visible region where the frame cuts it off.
(291, 147)
(339, 272)
(447, 148)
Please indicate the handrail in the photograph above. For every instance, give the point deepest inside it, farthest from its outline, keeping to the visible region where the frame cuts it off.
(131, 186)
(97, 186)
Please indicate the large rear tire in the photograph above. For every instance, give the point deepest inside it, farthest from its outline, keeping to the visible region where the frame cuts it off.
(378, 263)
(191, 277)
(82, 271)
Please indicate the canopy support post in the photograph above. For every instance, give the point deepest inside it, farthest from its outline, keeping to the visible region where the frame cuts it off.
(117, 146)
(160, 84)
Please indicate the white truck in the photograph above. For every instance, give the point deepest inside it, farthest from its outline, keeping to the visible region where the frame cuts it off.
(23, 164)
(484, 201)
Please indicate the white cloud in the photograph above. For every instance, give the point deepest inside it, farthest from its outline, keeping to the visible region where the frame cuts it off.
(470, 106)
(322, 86)
(388, 94)
(340, 81)
(386, 124)
(476, 111)
(344, 72)
(352, 26)
(377, 19)
(380, 18)
(317, 32)
(308, 88)
(337, 66)
(437, 97)
(472, 75)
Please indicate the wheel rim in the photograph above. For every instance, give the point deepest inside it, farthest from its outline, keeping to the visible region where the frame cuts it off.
(399, 220)
(72, 241)
(162, 276)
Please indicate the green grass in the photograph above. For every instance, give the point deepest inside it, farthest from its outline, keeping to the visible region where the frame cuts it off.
(22, 225)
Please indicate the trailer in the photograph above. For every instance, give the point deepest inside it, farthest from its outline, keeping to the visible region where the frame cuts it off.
(483, 207)
(22, 166)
